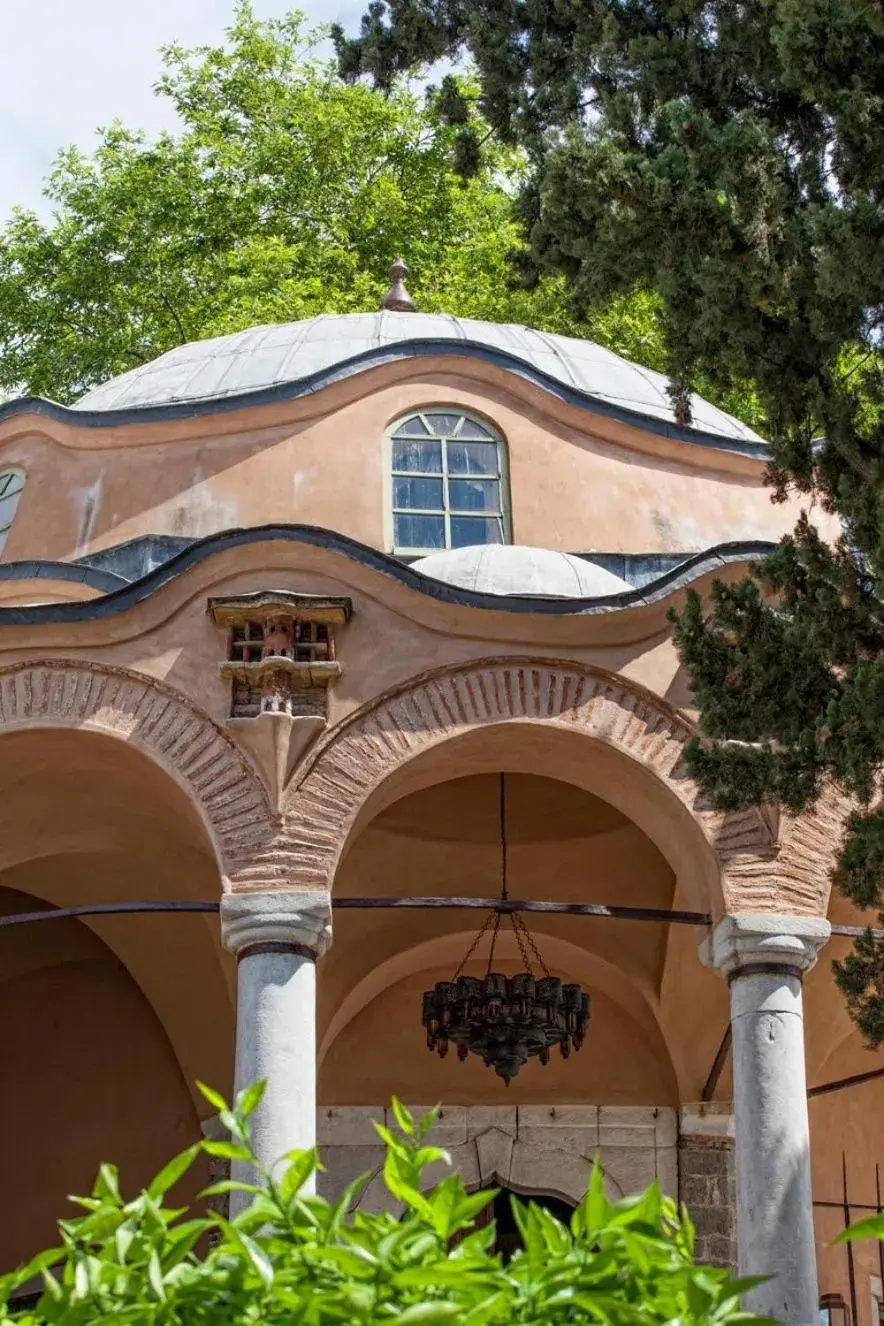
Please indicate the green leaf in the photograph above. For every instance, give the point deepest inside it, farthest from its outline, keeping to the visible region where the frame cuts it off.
(173, 1171)
(404, 1117)
(870, 1228)
(212, 1097)
(256, 1255)
(295, 1258)
(428, 1314)
(248, 1100)
(107, 1184)
(595, 1204)
(301, 1164)
(228, 1185)
(228, 1151)
(155, 1275)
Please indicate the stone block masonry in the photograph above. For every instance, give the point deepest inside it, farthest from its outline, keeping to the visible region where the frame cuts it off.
(706, 1181)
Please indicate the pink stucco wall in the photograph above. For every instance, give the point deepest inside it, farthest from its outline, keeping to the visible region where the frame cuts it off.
(578, 480)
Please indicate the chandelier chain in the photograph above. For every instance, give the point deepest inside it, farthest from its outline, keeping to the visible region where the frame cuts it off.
(503, 844)
(492, 919)
(505, 1020)
(525, 940)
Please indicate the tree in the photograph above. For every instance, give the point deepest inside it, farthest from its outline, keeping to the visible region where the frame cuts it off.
(725, 156)
(290, 1257)
(284, 194)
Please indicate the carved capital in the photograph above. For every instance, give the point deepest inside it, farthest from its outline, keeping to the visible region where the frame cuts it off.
(295, 919)
(749, 944)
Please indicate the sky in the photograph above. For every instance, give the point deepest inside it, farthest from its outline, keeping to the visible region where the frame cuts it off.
(68, 68)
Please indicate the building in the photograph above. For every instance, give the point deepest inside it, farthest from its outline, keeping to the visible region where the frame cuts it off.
(277, 611)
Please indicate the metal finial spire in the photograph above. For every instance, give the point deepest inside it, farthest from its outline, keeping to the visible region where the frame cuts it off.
(397, 298)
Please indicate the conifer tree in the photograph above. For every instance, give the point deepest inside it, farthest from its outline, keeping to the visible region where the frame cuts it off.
(727, 157)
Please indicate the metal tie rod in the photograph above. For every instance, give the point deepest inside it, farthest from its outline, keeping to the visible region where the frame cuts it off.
(507, 905)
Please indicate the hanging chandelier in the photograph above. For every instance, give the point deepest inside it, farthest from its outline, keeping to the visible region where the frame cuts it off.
(506, 1020)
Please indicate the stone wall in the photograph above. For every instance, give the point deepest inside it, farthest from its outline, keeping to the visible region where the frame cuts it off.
(549, 1149)
(706, 1184)
(529, 1148)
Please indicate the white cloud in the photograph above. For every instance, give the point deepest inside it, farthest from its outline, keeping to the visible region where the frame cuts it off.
(67, 69)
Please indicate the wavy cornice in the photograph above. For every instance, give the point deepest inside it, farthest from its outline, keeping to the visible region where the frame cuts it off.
(120, 600)
(381, 355)
(73, 572)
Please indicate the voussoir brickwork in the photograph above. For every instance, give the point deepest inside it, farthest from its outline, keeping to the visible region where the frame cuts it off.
(356, 757)
(164, 725)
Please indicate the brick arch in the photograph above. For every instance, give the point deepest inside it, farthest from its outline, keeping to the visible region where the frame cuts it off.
(169, 729)
(349, 767)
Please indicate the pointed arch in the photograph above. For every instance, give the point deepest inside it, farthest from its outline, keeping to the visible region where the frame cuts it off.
(724, 859)
(172, 731)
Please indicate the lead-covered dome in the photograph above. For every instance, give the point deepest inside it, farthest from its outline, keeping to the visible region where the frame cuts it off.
(317, 350)
(499, 568)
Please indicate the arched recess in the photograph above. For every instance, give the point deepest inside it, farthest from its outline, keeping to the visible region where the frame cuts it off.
(90, 1077)
(725, 862)
(496, 1157)
(172, 731)
(86, 818)
(445, 951)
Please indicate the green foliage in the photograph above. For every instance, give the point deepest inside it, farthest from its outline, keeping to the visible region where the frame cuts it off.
(726, 160)
(291, 1257)
(284, 194)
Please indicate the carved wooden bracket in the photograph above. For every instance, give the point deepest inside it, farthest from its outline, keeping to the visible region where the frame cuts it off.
(280, 650)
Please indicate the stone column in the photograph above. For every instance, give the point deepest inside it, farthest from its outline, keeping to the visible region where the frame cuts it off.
(277, 938)
(764, 959)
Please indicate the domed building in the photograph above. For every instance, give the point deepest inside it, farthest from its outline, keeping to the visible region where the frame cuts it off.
(355, 629)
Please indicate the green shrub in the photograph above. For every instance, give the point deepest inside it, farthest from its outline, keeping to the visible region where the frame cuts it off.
(294, 1258)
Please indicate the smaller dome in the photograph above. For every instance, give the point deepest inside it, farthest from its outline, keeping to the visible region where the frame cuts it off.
(495, 568)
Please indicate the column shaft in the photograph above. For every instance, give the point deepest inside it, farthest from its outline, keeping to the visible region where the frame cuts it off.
(764, 958)
(277, 938)
(774, 1201)
(276, 1044)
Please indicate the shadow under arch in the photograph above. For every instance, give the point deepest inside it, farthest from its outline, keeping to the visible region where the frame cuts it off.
(579, 725)
(91, 1075)
(87, 818)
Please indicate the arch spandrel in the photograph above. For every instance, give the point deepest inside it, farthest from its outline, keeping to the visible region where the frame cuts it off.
(727, 860)
(163, 724)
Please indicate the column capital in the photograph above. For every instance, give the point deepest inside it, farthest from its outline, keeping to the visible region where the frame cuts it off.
(756, 942)
(294, 920)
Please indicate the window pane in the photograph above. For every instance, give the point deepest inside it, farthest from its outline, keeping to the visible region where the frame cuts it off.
(412, 428)
(11, 482)
(442, 425)
(473, 430)
(7, 509)
(468, 530)
(419, 532)
(418, 494)
(473, 495)
(417, 457)
(472, 458)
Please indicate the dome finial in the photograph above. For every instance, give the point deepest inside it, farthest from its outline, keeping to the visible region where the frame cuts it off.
(397, 299)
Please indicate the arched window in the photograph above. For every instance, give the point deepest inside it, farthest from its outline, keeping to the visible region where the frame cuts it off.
(448, 483)
(11, 484)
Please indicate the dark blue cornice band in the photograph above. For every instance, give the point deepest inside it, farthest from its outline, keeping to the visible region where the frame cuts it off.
(119, 600)
(369, 359)
(106, 581)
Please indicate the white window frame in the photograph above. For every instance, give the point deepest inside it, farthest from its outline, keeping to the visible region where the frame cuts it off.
(390, 475)
(8, 475)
